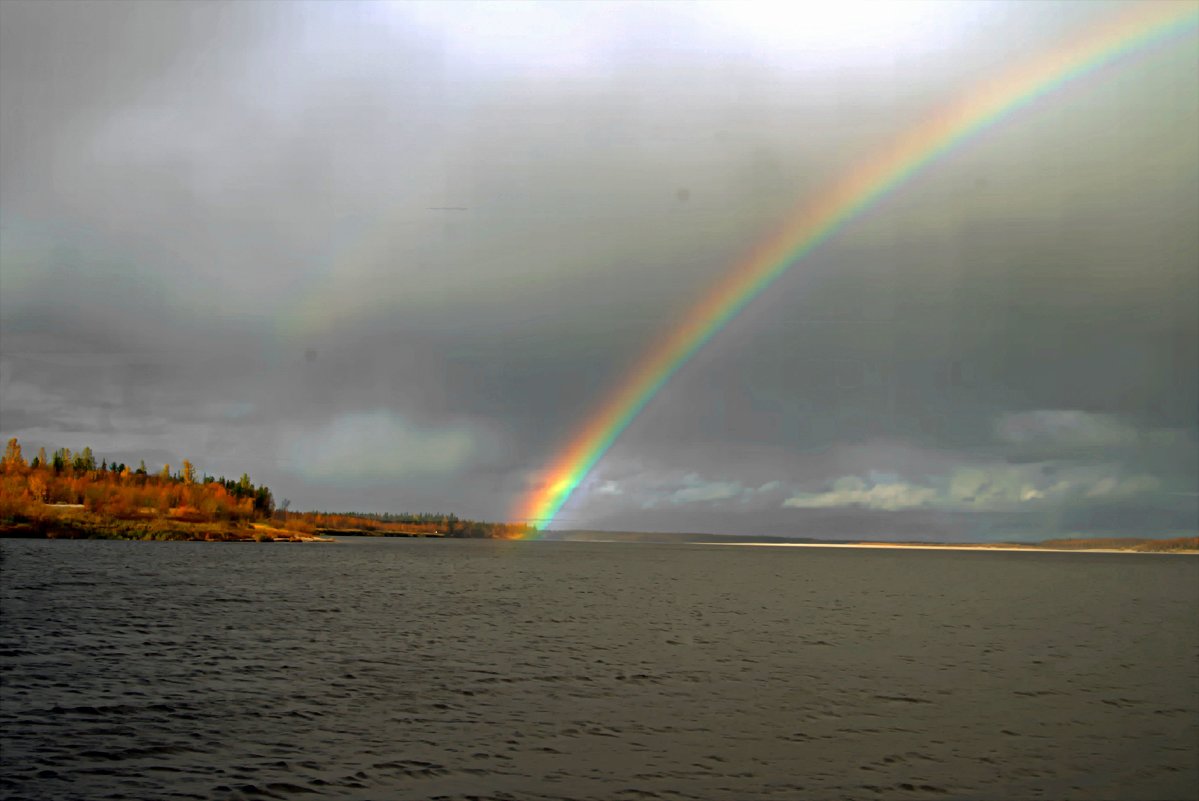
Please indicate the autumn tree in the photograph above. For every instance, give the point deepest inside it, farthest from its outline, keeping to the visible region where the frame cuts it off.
(118, 492)
(38, 488)
(12, 455)
(84, 461)
(264, 502)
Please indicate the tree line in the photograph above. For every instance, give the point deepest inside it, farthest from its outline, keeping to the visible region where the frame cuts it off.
(438, 525)
(120, 491)
(46, 492)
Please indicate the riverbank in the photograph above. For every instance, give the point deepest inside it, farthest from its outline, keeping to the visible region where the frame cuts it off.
(84, 526)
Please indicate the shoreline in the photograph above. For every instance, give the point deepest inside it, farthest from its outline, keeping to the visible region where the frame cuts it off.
(152, 531)
(901, 546)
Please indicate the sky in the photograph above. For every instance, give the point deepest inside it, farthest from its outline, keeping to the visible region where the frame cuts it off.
(391, 256)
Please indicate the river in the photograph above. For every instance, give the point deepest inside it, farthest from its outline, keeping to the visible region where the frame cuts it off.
(424, 669)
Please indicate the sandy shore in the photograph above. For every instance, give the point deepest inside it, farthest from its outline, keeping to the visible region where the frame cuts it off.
(899, 546)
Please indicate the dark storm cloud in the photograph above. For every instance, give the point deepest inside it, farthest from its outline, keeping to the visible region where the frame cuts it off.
(385, 255)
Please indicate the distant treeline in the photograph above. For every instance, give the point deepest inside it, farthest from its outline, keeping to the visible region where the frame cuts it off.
(394, 517)
(403, 525)
(69, 494)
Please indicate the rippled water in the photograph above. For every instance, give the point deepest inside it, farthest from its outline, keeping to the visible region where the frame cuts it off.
(425, 669)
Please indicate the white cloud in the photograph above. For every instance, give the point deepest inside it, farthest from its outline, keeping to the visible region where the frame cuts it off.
(637, 486)
(1065, 427)
(379, 444)
(1120, 489)
(996, 487)
(699, 490)
(1007, 487)
(853, 491)
(991, 487)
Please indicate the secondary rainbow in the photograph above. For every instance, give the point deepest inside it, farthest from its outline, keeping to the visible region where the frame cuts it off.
(815, 221)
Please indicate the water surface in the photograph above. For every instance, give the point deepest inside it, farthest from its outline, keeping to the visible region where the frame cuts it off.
(381, 669)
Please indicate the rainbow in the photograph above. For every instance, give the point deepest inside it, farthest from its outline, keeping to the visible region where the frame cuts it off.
(829, 211)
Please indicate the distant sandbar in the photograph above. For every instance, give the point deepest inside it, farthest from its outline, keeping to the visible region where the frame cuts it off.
(913, 546)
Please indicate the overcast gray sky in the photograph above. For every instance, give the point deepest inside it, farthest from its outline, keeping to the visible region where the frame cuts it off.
(390, 256)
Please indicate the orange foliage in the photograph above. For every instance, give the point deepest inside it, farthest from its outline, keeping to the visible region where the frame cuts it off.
(32, 493)
(119, 493)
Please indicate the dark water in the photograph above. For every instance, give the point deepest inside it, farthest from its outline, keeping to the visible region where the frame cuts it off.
(424, 669)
